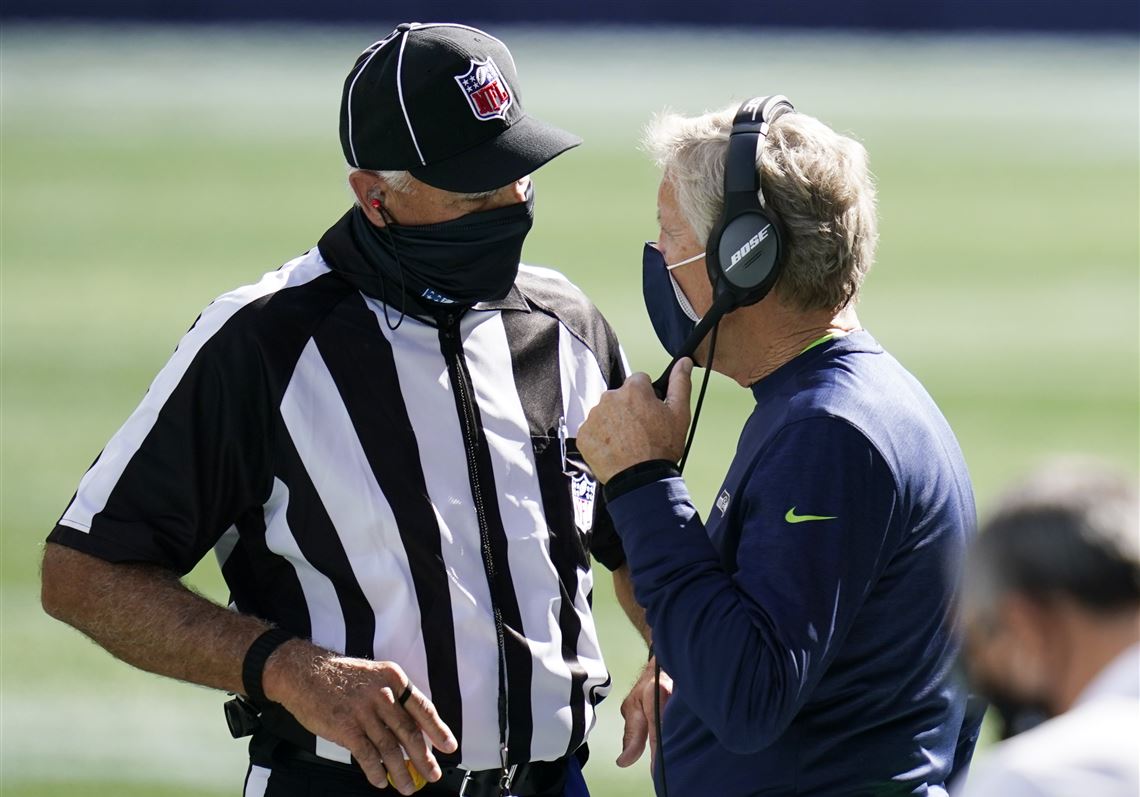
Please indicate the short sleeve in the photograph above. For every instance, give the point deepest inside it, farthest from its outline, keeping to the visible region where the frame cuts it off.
(188, 462)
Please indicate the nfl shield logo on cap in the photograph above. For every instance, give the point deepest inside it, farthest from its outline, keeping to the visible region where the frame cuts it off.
(485, 90)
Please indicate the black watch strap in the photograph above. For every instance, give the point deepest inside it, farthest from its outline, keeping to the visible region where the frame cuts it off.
(253, 667)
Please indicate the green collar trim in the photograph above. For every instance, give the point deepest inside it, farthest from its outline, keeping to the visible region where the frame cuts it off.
(818, 342)
(825, 339)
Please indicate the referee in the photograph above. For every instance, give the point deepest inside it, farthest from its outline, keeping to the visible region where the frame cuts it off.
(377, 441)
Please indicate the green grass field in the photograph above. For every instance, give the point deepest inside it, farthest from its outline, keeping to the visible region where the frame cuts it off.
(146, 171)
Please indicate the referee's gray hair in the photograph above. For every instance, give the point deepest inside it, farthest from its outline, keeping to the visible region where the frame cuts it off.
(815, 180)
(400, 181)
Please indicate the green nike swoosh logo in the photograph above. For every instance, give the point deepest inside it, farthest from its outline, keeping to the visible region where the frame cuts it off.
(792, 517)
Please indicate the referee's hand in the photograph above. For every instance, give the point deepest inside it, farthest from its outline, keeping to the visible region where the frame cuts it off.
(637, 710)
(355, 703)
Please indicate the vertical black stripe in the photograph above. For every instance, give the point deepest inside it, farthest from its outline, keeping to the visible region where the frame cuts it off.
(262, 583)
(280, 784)
(360, 361)
(284, 321)
(516, 650)
(564, 302)
(317, 539)
(532, 337)
(573, 310)
(320, 544)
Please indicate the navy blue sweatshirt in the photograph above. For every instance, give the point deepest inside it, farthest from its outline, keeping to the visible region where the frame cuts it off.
(806, 623)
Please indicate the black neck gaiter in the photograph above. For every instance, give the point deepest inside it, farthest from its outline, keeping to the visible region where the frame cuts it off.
(427, 268)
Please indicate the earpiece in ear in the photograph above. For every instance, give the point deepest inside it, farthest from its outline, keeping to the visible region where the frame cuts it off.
(375, 203)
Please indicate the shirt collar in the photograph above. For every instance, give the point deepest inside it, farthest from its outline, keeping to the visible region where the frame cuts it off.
(514, 300)
(860, 340)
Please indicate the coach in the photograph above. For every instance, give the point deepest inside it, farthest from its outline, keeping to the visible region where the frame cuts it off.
(805, 621)
(377, 441)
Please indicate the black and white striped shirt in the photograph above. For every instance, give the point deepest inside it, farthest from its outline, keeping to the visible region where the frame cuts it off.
(383, 491)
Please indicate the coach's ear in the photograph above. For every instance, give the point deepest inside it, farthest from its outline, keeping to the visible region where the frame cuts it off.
(370, 189)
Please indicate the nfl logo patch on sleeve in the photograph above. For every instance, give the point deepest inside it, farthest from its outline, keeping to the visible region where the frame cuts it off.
(485, 90)
(723, 501)
(582, 489)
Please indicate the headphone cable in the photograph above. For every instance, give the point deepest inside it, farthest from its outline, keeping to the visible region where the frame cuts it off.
(388, 222)
(700, 399)
(681, 468)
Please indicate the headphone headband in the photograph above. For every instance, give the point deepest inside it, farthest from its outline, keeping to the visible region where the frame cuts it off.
(744, 250)
(749, 125)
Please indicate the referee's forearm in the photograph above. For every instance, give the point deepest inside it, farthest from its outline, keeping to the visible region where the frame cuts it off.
(623, 591)
(145, 616)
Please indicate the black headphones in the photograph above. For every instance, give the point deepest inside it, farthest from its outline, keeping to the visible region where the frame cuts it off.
(746, 247)
(745, 251)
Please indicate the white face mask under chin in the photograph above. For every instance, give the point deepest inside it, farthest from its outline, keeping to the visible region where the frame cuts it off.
(682, 299)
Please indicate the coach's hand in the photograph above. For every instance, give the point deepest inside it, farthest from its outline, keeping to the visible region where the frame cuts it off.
(637, 709)
(354, 703)
(631, 425)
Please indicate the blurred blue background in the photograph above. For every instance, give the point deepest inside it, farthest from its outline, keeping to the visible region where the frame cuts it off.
(893, 15)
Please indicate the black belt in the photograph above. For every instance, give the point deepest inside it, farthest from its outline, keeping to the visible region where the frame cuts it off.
(523, 780)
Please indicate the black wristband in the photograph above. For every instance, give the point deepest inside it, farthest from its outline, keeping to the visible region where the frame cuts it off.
(253, 667)
(639, 475)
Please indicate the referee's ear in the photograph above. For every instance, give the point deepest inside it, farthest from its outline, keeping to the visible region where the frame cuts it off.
(369, 187)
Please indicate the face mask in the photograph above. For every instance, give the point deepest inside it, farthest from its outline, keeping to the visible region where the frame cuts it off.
(471, 259)
(670, 311)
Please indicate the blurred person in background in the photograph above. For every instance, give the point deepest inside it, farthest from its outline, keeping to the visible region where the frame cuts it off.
(377, 441)
(1052, 616)
(804, 622)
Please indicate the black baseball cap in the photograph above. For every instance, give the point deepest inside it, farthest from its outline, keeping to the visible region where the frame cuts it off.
(442, 101)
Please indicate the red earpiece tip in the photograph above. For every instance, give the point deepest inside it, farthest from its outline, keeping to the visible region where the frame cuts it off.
(375, 203)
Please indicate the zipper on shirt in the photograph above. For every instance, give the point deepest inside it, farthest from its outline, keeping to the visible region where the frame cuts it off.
(452, 349)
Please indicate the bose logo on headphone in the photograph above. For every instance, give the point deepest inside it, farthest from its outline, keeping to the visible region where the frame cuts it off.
(749, 245)
(752, 106)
